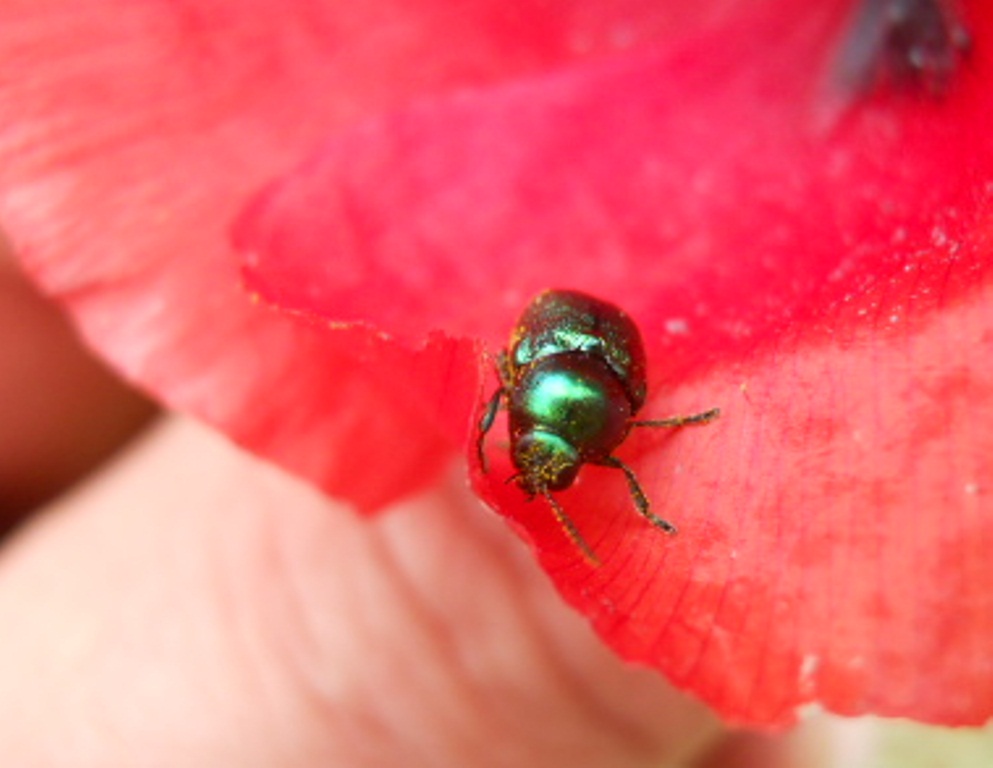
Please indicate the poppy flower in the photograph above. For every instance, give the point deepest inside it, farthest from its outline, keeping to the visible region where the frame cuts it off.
(315, 227)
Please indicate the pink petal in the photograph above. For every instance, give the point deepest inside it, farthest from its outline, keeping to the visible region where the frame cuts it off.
(132, 133)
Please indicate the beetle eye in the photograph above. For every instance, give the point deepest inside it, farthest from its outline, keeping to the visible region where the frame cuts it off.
(547, 462)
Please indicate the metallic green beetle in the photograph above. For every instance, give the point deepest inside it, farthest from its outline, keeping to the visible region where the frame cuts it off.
(572, 381)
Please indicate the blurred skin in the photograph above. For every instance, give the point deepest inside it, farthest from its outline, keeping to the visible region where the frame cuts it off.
(186, 604)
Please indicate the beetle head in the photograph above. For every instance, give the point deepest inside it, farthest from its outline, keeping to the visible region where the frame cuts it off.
(546, 462)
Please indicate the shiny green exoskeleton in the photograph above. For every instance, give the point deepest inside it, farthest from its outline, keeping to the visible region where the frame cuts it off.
(572, 381)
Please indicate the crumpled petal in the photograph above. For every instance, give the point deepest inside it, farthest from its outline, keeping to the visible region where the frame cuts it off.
(131, 134)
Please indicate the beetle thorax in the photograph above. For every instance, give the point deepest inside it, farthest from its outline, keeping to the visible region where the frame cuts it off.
(565, 410)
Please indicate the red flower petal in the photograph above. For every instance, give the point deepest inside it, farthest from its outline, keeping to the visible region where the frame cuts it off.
(823, 277)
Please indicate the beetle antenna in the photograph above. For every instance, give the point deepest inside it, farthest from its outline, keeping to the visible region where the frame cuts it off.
(570, 528)
(640, 499)
(680, 421)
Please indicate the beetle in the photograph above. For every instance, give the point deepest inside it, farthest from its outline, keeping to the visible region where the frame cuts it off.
(572, 381)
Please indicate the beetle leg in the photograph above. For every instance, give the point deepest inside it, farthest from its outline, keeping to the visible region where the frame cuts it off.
(570, 528)
(640, 499)
(680, 421)
(493, 407)
(485, 423)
